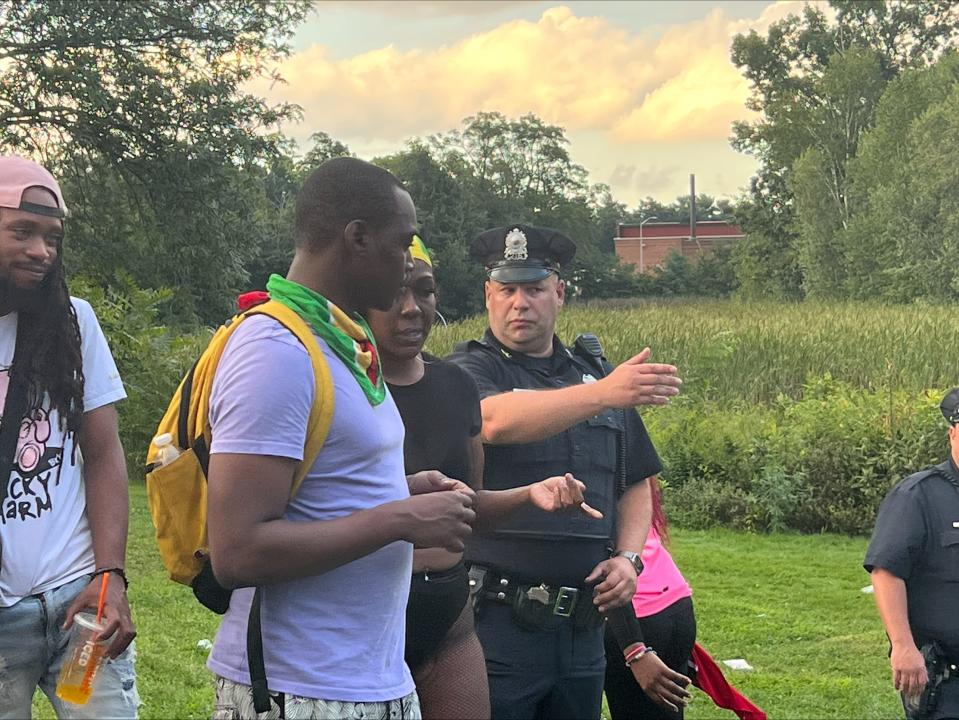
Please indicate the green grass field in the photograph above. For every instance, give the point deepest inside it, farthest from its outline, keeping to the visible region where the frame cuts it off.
(791, 605)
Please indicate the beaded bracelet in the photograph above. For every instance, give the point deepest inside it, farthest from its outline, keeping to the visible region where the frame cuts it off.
(635, 652)
(639, 652)
(113, 571)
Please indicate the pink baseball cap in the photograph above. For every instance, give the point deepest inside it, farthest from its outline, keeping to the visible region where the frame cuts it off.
(16, 175)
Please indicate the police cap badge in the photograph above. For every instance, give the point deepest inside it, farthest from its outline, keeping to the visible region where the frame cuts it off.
(522, 253)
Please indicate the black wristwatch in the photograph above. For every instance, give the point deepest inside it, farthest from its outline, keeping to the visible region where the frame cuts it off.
(634, 558)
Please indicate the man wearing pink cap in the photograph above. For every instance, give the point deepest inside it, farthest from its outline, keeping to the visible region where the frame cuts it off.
(63, 483)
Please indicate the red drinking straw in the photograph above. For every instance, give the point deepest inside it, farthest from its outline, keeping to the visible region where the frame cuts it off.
(103, 594)
(87, 680)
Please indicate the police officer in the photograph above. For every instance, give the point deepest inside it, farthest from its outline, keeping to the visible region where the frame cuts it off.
(542, 580)
(914, 562)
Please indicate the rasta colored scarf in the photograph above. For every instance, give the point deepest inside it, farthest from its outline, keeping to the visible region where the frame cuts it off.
(349, 338)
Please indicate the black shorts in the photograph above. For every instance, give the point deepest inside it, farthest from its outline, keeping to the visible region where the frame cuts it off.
(434, 605)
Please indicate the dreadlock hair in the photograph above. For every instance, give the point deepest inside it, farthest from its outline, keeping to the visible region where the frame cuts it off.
(50, 359)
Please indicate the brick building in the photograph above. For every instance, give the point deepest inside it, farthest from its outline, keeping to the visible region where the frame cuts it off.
(649, 248)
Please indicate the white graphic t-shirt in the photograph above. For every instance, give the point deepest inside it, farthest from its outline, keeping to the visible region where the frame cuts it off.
(45, 536)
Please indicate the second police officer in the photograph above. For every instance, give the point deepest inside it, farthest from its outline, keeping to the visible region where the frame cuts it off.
(913, 559)
(542, 581)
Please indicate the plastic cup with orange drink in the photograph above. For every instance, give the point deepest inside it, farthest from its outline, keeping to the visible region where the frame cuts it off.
(84, 656)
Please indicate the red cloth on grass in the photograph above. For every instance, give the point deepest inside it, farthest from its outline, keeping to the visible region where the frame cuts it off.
(710, 679)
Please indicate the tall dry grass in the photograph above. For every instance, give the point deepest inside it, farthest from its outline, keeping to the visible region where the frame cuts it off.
(747, 352)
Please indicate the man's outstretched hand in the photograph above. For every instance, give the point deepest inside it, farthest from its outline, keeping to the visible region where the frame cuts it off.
(639, 382)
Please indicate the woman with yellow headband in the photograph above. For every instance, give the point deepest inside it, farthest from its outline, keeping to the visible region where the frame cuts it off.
(440, 407)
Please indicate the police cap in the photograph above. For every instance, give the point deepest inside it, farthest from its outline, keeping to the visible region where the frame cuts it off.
(950, 406)
(522, 253)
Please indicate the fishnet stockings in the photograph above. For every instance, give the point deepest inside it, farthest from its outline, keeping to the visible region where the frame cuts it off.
(452, 685)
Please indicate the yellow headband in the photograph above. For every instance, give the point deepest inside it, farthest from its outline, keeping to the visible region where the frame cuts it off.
(419, 252)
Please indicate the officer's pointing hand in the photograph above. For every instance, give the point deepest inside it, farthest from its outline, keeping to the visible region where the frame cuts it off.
(561, 492)
(638, 382)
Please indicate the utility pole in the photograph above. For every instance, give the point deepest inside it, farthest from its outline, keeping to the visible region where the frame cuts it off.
(692, 207)
(642, 260)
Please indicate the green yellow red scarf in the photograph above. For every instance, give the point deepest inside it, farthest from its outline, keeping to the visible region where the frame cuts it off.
(349, 338)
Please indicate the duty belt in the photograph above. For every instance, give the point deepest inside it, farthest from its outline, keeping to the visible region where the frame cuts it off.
(561, 600)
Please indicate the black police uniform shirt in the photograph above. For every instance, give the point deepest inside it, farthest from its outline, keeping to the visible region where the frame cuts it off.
(556, 560)
(917, 539)
(441, 413)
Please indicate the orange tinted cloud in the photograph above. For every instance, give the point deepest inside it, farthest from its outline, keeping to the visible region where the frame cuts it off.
(584, 73)
(423, 8)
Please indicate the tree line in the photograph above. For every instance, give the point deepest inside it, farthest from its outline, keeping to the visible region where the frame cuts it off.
(180, 183)
(857, 131)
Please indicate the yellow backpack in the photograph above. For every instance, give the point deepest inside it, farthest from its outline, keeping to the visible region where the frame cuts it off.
(177, 490)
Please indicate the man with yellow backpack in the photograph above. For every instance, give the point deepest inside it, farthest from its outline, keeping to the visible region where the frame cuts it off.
(308, 511)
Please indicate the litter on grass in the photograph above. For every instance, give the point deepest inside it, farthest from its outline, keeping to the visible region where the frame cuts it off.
(868, 590)
(737, 664)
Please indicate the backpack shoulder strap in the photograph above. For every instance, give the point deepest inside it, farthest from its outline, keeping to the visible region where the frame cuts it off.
(321, 414)
(193, 405)
(187, 415)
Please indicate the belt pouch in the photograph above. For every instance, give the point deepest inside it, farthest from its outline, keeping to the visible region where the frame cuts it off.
(530, 614)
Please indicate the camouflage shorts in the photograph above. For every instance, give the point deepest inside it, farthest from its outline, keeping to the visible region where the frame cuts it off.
(235, 702)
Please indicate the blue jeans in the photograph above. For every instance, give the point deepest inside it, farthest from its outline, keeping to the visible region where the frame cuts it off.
(32, 646)
(555, 673)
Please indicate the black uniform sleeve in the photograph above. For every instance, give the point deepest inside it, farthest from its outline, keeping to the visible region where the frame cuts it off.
(642, 460)
(900, 533)
(482, 366)
(625, 627)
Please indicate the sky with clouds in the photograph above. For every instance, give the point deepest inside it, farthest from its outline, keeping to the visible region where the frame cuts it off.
(644, 89)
